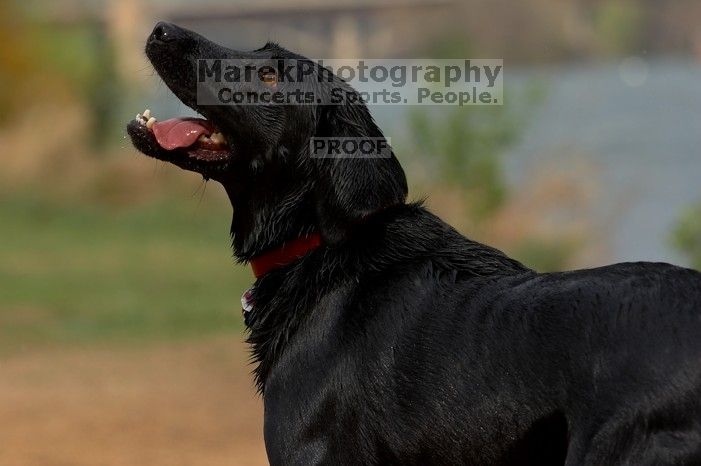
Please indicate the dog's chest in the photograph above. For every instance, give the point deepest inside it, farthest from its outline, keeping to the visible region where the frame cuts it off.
(325, 404)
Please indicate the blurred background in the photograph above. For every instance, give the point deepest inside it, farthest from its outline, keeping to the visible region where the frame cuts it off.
(120, 328)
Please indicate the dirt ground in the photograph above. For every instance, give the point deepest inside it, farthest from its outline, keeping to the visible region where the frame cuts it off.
(175, 404)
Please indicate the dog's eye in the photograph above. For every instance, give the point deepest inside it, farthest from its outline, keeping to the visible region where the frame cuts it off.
(268, 76)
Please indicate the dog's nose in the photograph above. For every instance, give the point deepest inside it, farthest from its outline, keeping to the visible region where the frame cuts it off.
(164, 32)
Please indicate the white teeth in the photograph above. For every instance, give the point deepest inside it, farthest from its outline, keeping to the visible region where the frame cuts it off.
(218, 138)
(146, 119)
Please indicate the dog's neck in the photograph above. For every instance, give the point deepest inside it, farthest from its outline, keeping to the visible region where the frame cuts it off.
(398, 239)
(263, 220)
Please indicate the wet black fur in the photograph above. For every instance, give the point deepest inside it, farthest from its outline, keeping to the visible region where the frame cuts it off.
(400, 342)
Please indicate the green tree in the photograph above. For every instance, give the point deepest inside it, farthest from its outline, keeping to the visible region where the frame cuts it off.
(619, 25)
(462, 149)
(686, 236)
(465, 144)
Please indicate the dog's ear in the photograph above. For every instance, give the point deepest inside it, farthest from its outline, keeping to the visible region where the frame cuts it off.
(352, 181)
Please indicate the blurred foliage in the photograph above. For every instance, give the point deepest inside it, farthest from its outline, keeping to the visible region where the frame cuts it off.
(545, 255)
(686, 237)
(464, 146)
(84, 56)
(464, 143)
(45, 64)
(619, 26)
(537, 31)
(449, 45)
(28, 75)
(460, 151)
(15, 61)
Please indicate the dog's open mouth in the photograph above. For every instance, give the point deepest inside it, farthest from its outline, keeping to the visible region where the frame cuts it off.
(183, 141)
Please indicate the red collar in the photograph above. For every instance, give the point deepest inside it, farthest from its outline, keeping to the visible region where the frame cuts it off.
(285, 254)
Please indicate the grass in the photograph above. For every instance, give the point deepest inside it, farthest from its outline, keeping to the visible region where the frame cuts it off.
(88, 274)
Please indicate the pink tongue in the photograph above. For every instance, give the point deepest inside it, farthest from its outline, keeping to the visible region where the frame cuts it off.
(179, 133)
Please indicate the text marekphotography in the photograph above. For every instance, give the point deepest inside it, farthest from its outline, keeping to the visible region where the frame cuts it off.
(326, 82)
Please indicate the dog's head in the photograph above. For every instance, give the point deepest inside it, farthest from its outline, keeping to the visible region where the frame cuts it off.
(280, 184)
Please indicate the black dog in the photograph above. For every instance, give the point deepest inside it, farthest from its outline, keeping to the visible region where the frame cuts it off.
(384, 337)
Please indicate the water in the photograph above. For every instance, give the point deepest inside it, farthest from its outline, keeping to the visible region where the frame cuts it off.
(645, 139)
